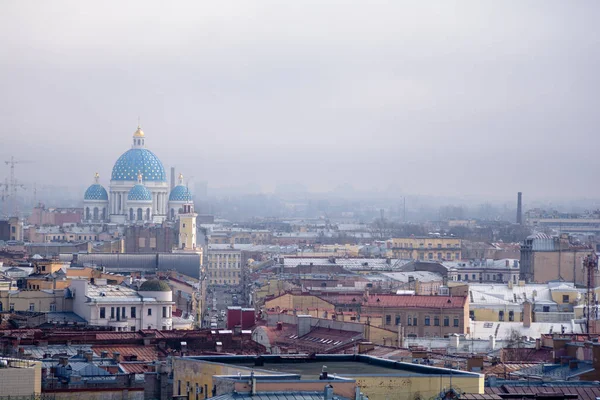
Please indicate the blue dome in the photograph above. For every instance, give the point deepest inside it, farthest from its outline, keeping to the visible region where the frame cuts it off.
(139, 193)
(96, 192)
(180, 193)
(136, 161)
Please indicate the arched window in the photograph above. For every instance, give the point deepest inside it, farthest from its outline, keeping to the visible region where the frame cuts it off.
(1, 306)
(147, 214)
(104, 213)
(87, 213)
(139, 214)
(131, 217)
(172, 213)
(95, 213)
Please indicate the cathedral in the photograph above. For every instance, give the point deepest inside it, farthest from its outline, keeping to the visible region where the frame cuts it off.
(138, 192)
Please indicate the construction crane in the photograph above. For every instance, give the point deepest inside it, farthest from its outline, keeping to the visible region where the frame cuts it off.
(12, 186)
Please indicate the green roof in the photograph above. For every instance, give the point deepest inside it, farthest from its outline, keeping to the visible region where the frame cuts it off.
(155, 286)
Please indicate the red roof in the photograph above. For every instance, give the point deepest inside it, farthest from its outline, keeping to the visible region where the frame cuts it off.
(390, 300)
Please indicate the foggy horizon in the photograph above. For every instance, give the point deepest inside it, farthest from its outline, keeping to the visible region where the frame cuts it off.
(465, 100)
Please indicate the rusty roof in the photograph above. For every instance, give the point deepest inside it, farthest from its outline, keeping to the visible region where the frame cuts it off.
(143, 353)
(418, 301)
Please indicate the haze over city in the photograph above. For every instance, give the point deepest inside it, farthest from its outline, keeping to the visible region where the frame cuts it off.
(466, 98)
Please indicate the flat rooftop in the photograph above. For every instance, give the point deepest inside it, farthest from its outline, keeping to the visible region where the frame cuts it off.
(343, 365)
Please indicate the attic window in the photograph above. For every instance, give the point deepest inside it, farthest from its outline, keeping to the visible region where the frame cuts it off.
(449, 301)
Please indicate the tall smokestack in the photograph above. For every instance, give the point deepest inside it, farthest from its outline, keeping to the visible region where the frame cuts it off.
(172, 177)
(519, 208)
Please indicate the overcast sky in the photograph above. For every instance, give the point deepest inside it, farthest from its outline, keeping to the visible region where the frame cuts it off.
(484, 98)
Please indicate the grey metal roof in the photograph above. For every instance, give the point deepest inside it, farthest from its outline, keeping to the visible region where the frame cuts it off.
(187, 264)
(277, 396)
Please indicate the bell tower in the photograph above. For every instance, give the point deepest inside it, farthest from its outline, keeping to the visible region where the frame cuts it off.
(187, 228)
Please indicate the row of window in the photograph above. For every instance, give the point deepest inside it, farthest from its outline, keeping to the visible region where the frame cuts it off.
(414, 320)
(224, 265)
(223, 274)
(118, 313)
(70, 237)
(429, 245)
(132, 328)
(440, 256)
(11, 307)
(223, 281)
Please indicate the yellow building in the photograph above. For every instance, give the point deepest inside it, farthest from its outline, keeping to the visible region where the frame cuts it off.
(21, 378)
(35, 300)
(224, 265)
(377, 378)
(304, 302)
(426, 248)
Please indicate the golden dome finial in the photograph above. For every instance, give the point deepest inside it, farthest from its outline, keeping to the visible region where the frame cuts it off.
(139, 133)
(180, 178)
(140, 176)
(96, 177)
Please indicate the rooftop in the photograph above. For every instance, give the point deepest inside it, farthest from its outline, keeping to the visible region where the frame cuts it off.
(337, 365)
(390, 300)
(287, 395)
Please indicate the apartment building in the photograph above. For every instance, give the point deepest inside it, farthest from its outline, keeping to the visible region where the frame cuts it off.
(224, 265)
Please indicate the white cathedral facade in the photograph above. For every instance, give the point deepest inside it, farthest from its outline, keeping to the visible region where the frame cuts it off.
(138, 191)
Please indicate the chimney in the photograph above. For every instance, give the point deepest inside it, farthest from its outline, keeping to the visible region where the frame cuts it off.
(89, 356)
(519, 208)
(279, 326)
(527, 314)
(400, 336)
(64, 361)
(538, 343)
(573, 364)
(507, 263)
(117, 357)
(328, 394)
(104, 354)
(172, 177)
(454, 340)
(492, 342)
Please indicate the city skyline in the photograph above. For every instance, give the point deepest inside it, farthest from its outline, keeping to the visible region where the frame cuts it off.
(454, 98)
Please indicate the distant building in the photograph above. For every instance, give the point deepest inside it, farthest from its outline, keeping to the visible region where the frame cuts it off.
(547, 258)
(224, 265)
(54, 216)
(11, 229)
(426, 248)
(149, 239)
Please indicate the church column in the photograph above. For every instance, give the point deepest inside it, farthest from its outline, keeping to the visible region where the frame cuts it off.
(112, 202)
(159, 200)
